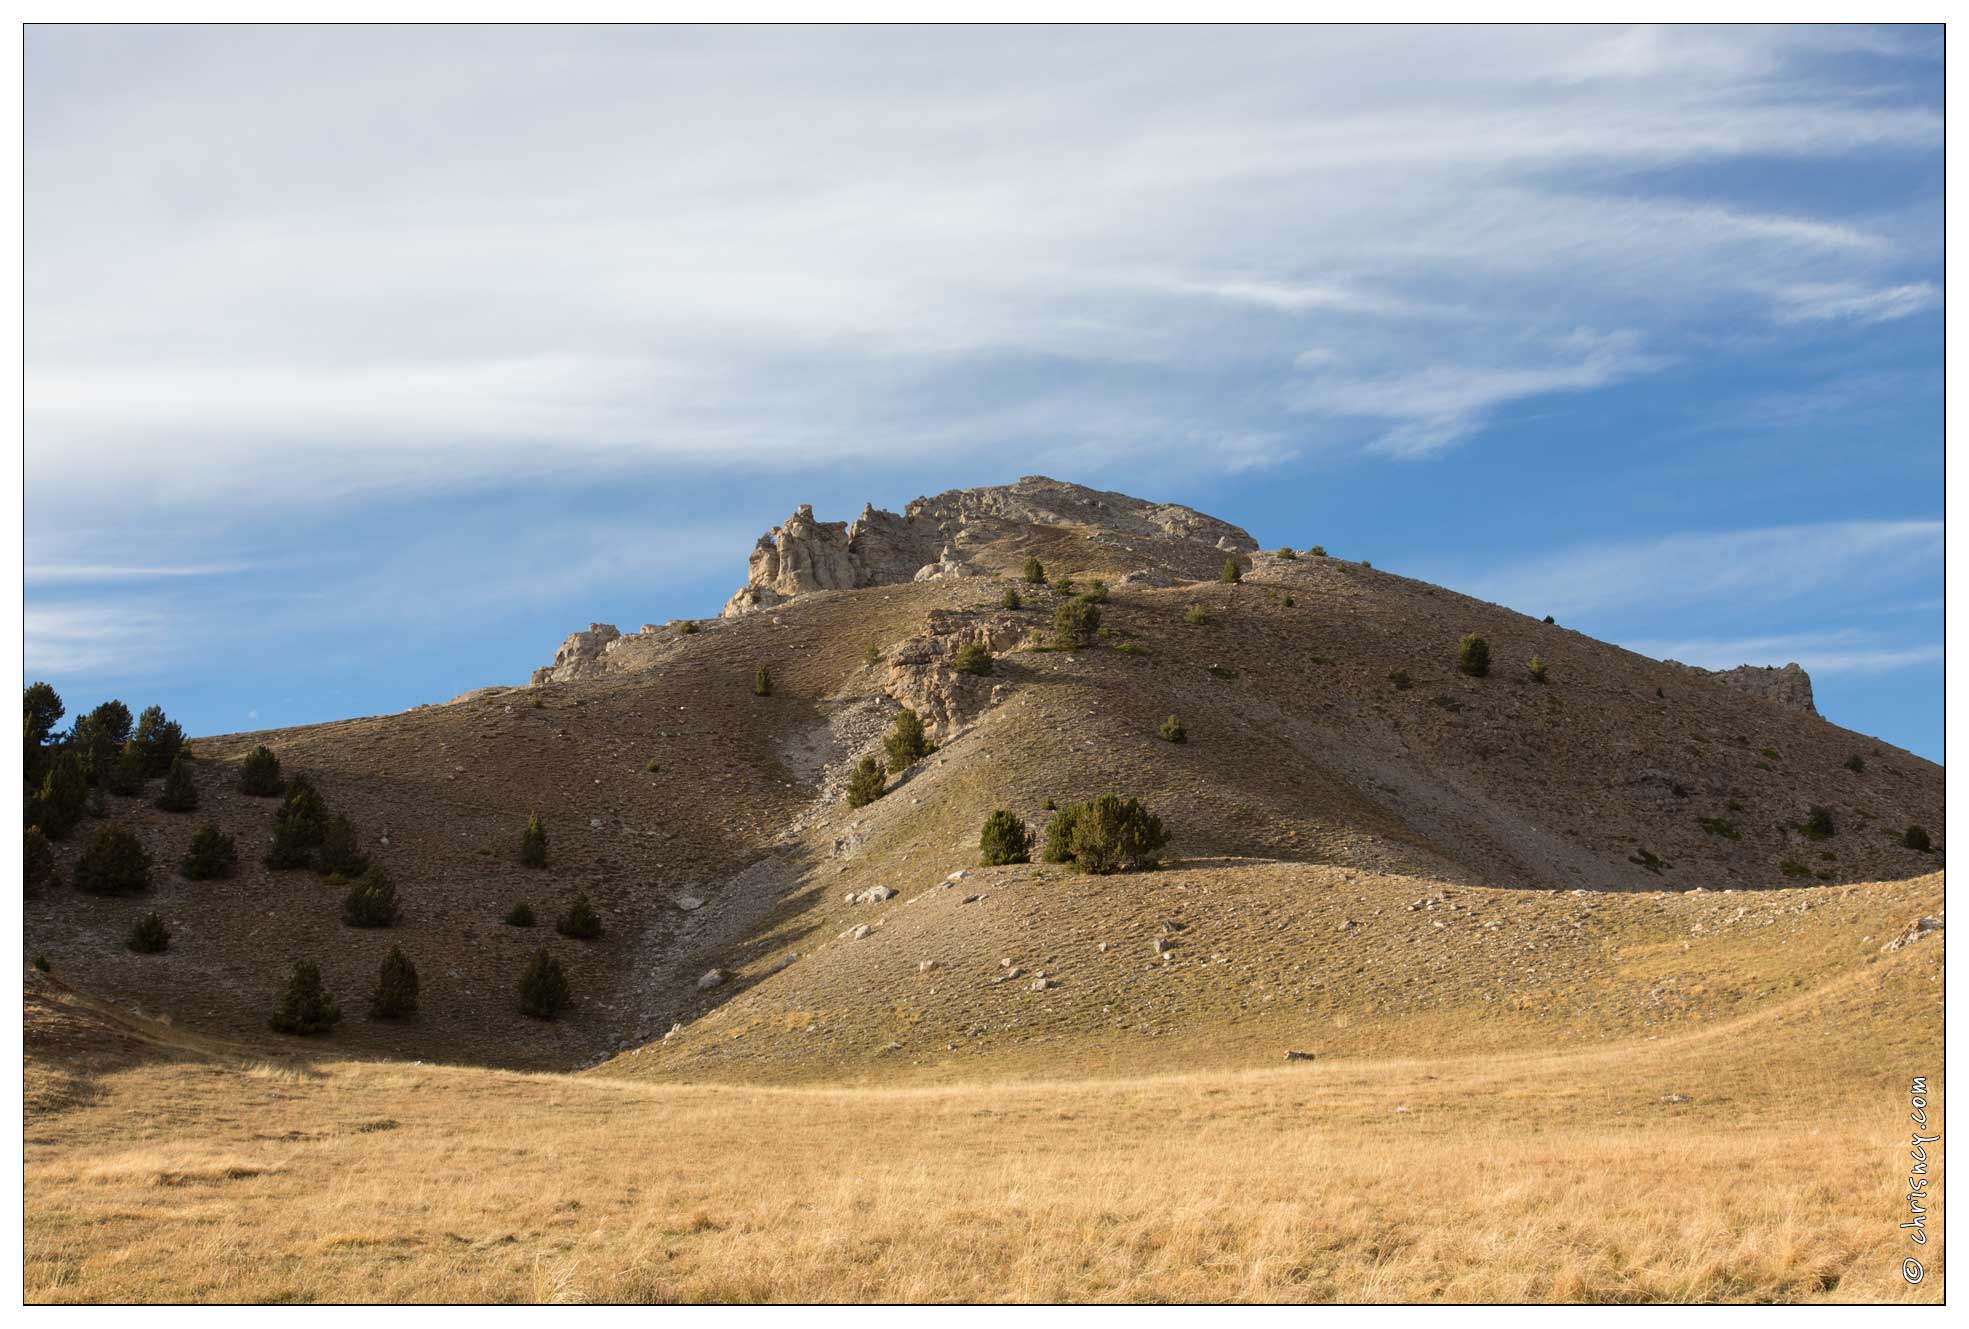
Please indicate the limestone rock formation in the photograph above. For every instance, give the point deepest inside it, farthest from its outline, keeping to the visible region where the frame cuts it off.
(580, 655)
(1789, 686)
(942, 536)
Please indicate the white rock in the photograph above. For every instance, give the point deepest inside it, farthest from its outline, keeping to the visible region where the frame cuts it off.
(711, 979)
(689, 902)
(855, 933)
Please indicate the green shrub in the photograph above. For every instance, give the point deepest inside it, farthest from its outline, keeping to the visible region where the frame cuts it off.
(304, 1008)
(688, 626)
(535, 700)
(1285, 552)
(1107, 835)
(1012, 600)
(371, 901)
(1366, 564)
(1916, 838)
(1818, 824)
(1536, 668)
(1399, 677)
(396, 987)
(1317, 551)
(1196, 615)
(652, 766)
(973, 658)
(1646, 859)
(866, 784)
(1005, 839)
(1549, 618)
(62, 798)
(1473, 655)
(1856, 763)
(580, 921)
(179, 793)
(1769, 754)
(125, 776)
(1719, 826)
(1075, 622)
(1173, 731)
(1791, 868)
(1035, 572)
(41, 962)
(533, 842)
(259, 774)
(149, 936)
(298, 827)
(1286, 599)
(1064, 586)
(158, 740)
(762, 682)
(1131, 648)
(871, 656)
(1232, 573)
(113, 863)
(212, 854)
(1096, 592)
(1049, 805)
(520, 916)
(1220, 671)
(37, 860)
(543, 987)
(907, 743)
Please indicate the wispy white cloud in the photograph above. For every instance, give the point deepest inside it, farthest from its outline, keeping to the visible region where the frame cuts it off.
(441, 254)
(49, 574)
(1747, 567)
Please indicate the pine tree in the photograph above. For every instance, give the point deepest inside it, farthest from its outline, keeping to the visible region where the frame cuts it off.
(1232, 573)
(1075, 622)
(1005, 839)
(1473, 655)
(64, 794)
(1012, 600)
(543, 988)
(371, 901)
(762, 682)
(1035, 572)
(149, 936)
(973, 657)
(1173, 731)
(907, 744)
(533, 842)
(113, 863)
(299, 826)
(42, 710)
(866, 784)
(580, 921)
(259, 774)
(396, 987)
(125, 776)
(158, 740)
(305, 1008)
(37, 861)
(212, 854)
(520, 915)
(179, 793)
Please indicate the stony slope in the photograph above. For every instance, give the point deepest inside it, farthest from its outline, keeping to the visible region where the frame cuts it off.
(1312, 792)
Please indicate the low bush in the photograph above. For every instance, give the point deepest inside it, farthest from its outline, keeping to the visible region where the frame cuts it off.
(520, 916)
(1536, 668)
(973, 658)
(543, 987)
(871, 655)
(1173, 731)
(212, 854)
(37, 860)
(1107, 835)
(1317, 551)
(1473, 655)
(113, 863)
(62, 797)
(149, 936)
(1856, 763)
(1012, 600)
(371, 901)
(762, 682)
(1285, 552)
(396, 987)
(1719, 826)
(1916, 838)
(1818, 824)
(1131, 648)
(1035, 572)
(305, 1007)
(298, 827)
(866, 784)
(1096, 592)
(579, 921)
(1064, 586)
(1196, 615)
(259, 774)
(1399, 677)
(1005, 839)
(1232, 574)
(687, 627)
(533, 842)
(1286, 599)
(340, 849)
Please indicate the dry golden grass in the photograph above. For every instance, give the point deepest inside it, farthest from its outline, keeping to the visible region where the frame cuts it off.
(1556, 1176)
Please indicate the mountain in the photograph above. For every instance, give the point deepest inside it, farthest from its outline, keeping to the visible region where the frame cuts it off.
(1366, 844)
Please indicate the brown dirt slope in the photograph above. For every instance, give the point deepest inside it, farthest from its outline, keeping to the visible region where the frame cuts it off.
(1312, 793)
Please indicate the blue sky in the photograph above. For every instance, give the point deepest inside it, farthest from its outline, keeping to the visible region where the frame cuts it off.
(362, 366)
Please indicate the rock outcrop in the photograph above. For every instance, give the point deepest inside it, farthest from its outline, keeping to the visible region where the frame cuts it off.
(1789, 686)
(945, 535)
(580, 655)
